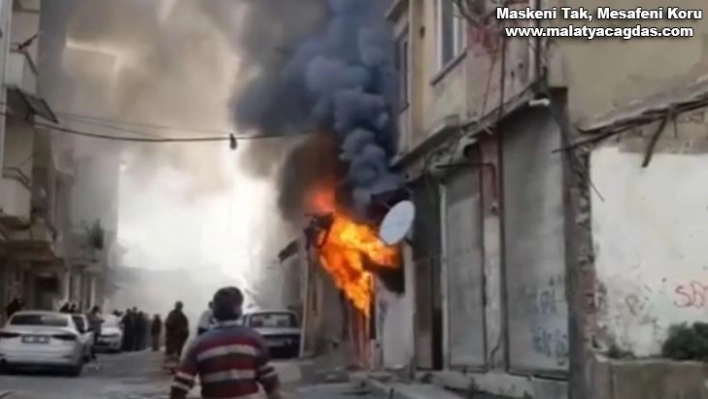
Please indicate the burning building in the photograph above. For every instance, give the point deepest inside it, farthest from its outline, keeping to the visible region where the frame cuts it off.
(339, 82)
(343, 256)
(340, 259)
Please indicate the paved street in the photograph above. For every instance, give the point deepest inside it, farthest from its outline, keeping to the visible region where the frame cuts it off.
(138, 376)
(130, 375)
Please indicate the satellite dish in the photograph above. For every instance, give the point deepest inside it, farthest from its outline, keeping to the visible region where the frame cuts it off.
(397, 223)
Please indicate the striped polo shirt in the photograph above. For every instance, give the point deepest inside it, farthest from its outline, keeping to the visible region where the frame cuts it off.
(231, 362)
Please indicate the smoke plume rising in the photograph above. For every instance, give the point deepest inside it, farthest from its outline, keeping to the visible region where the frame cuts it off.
(158, 62)
(340, 79)
(171, 67)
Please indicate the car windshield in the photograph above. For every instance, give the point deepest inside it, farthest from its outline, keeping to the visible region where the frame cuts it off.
(35, 319)
(272, 319)
(79, 321)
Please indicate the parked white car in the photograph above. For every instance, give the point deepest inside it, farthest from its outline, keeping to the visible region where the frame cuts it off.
(87, 336)
(279, 328)
(40, 339)
(111, 337)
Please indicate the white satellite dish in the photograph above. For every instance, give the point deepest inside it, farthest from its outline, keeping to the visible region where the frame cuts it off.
(397, 223)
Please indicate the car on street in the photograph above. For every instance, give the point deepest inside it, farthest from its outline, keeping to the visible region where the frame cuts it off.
(111, 337)
(42, 339)
(279, 328)
(87, 336)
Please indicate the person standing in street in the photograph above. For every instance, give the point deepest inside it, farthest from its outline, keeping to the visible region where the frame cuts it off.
(135, 336)
(206, 320)
(156, 332)
(176, 331)
(141, 331)
(128, 329)
(95, 320)
(230, 360)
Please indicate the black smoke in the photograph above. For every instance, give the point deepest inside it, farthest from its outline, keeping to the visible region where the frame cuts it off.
(339, 79)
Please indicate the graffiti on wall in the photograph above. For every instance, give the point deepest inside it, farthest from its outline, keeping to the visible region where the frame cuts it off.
(550, 342)
(543, 301)
(544, 306)
(692, 294)
(485, 37)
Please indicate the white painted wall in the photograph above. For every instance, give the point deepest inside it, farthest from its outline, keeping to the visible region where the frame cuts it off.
(650, 235)
(395, 320)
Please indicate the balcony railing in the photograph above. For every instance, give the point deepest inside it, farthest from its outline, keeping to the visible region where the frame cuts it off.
(21, 71)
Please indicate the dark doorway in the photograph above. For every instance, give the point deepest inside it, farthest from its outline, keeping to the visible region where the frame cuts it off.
(427, 243)
(45, 289)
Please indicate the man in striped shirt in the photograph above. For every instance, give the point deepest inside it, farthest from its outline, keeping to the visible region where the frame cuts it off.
(230, 360)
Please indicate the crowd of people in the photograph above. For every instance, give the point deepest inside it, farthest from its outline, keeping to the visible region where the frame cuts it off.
(217, 328)
(137, 329)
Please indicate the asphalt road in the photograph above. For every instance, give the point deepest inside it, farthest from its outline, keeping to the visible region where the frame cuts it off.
(139, 376)
(130, 375)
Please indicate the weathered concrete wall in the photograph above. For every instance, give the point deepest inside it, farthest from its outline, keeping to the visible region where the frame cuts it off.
(649, 233)
(397, 314)
(468, 86)
(442, 89)
(462, 271)
(401, 25)
(19, 141)
(502, 384)
(648, 379)
(639, 67)
(534, 244)
(492, 246)
(325, 315)
(485, 62)
(394, 321)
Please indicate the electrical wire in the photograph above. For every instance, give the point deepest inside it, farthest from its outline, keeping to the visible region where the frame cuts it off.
(132, 139)
(121, 124)
(156, 140)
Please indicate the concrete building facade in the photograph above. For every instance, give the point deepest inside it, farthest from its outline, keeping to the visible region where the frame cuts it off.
(47, 257)
(32, 211)
(548, 206)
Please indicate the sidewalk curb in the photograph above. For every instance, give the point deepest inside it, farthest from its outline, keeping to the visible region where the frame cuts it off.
(401, 390)
(383, 388)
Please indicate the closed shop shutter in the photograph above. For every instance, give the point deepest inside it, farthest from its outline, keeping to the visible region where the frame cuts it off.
(464, 271)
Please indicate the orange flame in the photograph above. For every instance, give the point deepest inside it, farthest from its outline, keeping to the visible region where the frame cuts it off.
(345, 246)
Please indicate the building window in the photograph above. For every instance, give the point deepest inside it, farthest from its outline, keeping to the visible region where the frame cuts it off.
(402, 66)
(451, 32)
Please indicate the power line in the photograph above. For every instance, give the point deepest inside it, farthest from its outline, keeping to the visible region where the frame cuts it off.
(133, 139)
(231, 137)
(118, 124)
